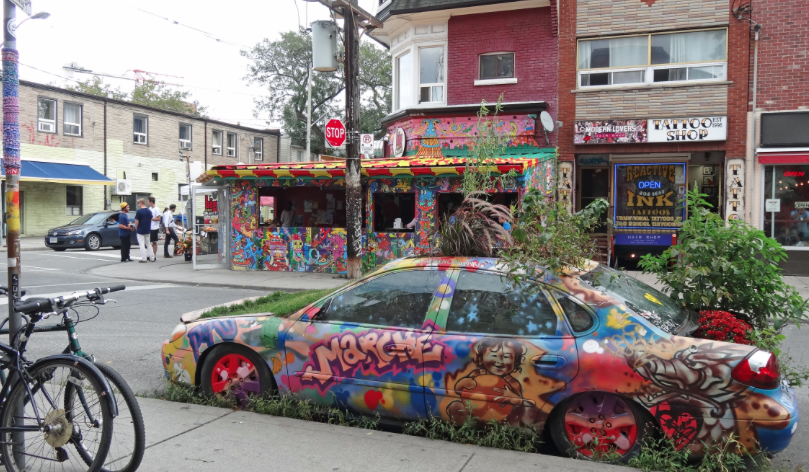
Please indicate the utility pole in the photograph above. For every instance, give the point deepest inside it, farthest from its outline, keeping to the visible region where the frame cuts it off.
(308, 115)
(11, 161)
(353, 185)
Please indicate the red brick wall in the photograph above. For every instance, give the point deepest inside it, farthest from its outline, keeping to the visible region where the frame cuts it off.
(738, 62)
(529, 33)
(783, 54)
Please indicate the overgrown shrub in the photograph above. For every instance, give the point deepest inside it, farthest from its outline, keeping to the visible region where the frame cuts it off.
(729, 266)
(477, 229)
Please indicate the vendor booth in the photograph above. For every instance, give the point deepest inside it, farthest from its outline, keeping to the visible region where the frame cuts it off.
(292, 216)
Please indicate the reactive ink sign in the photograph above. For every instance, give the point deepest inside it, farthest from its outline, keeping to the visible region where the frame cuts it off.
(647, 196)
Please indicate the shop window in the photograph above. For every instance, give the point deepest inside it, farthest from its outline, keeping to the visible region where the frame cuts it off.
(266, 209)
(73, 200)
(671, 57)
(786, 190)
(594, 185)
(390, 207)
(648, 196)
(302, 207)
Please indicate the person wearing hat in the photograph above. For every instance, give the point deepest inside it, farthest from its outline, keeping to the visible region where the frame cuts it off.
(125, 232)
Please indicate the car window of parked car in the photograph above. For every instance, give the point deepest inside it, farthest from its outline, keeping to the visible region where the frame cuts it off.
(91, 219)
(579, 318)
(648, 302)
(488, 304)
(399, 299)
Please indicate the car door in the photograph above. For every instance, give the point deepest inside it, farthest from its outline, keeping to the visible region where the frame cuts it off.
(508, 349)
(108, 231)
(366, 348)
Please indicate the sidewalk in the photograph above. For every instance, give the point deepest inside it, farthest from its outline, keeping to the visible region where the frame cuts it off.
(177, 271)
(201, 438)
(33, 243)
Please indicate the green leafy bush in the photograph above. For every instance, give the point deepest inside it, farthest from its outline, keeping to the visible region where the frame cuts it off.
(730, 266)
(277, 303)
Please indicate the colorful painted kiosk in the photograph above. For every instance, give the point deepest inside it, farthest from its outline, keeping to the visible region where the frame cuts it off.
(291, 216)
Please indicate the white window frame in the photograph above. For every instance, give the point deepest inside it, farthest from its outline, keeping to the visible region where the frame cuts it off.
(648, 76)
(65, 123)
(411, 42)
(258, 151)
(145, 135)
(185, 143)
(51, 122)
(420, 86)
(217, 150)
(235, 147)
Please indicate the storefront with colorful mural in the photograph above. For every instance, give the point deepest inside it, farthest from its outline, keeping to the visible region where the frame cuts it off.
(291, 216)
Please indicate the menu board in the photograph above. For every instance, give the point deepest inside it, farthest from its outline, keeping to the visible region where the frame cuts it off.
(648, 196)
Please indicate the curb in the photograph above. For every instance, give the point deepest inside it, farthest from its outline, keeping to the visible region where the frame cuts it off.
(200, 284)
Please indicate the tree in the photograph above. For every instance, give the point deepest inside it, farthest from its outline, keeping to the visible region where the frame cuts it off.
(153, 94)
(282, 67)
(96, 87)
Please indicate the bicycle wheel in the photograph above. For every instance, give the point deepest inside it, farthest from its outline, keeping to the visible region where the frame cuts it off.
(129, 436)
(88, 423)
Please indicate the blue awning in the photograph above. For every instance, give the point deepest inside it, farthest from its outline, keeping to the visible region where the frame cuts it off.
(38, 171)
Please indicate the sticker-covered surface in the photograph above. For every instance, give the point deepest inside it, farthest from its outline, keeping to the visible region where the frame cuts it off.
(449, 337)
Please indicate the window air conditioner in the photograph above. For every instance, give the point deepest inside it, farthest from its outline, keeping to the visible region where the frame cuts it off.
(46, 127)
(185, 144)
(122, 187)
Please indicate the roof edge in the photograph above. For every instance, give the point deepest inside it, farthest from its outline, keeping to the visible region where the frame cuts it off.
(510, 107)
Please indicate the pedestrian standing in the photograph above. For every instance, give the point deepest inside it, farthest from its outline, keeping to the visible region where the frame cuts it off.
(155, 226)
(143, 226)
(171, 235)
(125, 232)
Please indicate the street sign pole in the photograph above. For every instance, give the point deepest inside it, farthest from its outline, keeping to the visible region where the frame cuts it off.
(353, 187)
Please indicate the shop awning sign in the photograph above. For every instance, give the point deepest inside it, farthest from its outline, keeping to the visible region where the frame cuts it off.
(653, 130)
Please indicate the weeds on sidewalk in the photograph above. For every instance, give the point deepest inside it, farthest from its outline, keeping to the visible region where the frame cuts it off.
(278, 303)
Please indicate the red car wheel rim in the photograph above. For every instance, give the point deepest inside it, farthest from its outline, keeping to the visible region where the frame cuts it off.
(600, 424)
(236, 375)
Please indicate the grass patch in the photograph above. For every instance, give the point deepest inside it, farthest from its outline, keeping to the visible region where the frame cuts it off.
(491, 434)
(278, 303)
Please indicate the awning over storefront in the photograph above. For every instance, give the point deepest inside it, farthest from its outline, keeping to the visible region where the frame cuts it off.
(37, 171)
(783, 158)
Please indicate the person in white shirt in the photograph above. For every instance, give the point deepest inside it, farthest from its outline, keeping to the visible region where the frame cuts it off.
(171, 234)
(288, 215)
(155, 226)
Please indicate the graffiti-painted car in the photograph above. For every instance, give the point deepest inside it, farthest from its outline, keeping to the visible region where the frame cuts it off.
(596, 359)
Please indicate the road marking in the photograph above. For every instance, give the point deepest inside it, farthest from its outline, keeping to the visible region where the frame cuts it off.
(73, 256)
(23, 267)
(4, 301)
(62, 285)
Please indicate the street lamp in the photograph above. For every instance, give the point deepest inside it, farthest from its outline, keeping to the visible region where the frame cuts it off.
(14, 27)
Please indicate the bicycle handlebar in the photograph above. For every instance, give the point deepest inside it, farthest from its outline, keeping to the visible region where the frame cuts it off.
(47, 305)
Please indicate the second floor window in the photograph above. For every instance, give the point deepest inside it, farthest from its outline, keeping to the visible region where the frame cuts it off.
(497, 66)
(185, 136)
(258, 149)
(140, 129)
(72, 124)
(672, 57)
(231, 145)
(46, 115)
(216, 142)
(431, 75)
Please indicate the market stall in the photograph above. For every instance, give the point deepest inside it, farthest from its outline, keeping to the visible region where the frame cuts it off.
(291, 216)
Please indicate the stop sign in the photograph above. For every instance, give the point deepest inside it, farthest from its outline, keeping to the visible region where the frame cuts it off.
(335, 133)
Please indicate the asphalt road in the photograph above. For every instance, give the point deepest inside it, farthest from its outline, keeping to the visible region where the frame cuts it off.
(128, 334)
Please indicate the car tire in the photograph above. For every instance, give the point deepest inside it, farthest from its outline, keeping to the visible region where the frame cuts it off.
(60, 249)
(92, 242)
(227, 363)
(575, 425)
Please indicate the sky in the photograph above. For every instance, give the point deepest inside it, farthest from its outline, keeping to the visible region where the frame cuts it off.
(118, 36)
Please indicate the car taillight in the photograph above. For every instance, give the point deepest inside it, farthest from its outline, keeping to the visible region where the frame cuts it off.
(759, 370)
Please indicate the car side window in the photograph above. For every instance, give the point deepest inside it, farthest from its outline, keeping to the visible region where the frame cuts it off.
(488, 304)
(580, 319)
(400, 299)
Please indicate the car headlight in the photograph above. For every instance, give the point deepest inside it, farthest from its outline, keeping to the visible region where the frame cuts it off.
(74, 233)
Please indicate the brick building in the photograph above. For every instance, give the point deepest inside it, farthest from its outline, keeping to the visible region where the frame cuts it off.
(121, 141)
(449, 55)
(778, 137)
(653, 102)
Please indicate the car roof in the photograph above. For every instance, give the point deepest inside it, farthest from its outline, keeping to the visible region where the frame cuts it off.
(475, 263)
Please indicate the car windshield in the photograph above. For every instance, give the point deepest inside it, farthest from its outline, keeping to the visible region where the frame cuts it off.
(648, 302)
(91, 219)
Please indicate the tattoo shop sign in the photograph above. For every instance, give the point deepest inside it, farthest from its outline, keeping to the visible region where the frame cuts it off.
(647, 196)
(654, 130)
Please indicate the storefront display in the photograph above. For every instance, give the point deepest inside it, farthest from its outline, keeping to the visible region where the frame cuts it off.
(786, 210)
(648, 196)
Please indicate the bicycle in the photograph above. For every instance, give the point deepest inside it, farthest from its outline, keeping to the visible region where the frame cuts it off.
(54, 402)
(128, 439)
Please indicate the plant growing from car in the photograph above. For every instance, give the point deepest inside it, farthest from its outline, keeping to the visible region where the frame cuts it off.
(489, 143)
(477, 229)
(726, 265)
